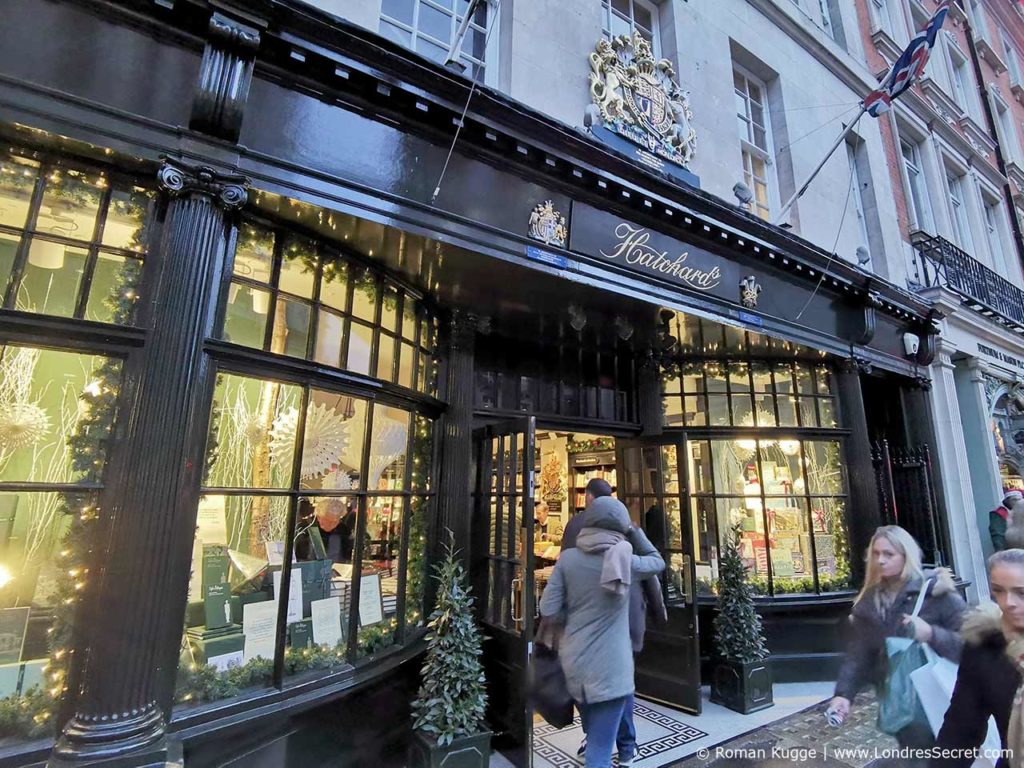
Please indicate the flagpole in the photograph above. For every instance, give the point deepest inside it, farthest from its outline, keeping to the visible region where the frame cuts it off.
(796, 196)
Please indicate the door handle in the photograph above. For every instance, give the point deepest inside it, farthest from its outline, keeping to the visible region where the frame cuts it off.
(517, 585)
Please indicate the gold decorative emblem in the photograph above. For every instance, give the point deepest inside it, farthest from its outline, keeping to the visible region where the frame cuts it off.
(639, 98)
(548, 225)
(749, 290)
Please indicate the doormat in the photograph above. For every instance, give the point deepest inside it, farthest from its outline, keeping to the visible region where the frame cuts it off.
(655, 733)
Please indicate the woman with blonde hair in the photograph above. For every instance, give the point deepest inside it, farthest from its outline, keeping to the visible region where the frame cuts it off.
(892, 583)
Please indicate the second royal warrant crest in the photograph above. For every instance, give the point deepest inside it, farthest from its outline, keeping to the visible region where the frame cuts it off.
(639, 98)
(548, 225)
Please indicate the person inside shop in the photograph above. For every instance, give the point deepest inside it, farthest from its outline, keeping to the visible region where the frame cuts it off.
(335, 519)
(595, 489)
(989, 679)
(588, 594)
(999, 518)
(886, 607)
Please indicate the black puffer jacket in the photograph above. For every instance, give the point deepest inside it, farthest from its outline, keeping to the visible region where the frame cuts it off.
(985, 686)
(865, 662)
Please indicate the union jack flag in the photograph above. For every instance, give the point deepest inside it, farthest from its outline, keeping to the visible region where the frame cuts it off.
(908, 67)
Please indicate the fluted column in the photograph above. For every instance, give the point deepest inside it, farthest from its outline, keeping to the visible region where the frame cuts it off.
(150, 497)
(456, 443)
(863, 514)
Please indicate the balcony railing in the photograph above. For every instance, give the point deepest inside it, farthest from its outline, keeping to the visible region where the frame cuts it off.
(942, 263)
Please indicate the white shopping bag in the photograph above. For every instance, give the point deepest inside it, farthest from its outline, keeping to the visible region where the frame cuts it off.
(934, 683)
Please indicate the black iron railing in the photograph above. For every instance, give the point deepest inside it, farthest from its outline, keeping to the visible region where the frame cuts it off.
(942, 263)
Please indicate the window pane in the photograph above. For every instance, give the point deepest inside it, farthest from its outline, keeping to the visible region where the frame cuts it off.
(380, 571)
(747, 514)
(673, 411)
(246, 318)
(254, 255)
(699, 469)
(416, 561)
(298, 270)
(127, 219)
(407, 366)
(51, 279)
(803, 379)
(431, 50)
(70, 204)
(399, 9)
(715, 377)
(252, 433)
(334, 284)
(733, 465)
(8, 250)
(364, 298)
(718, 411)
(695, 410)
(391, 32)
(831, 543)
(388, 448)
(386, 357)
(739, 380)
(112, 293)
(17, 180)
(642, 17)
(360, 344)
(808, 413)
(671, 385)
(620, 26)
(742, 411)
(790, 542)
(291, 328)
(53, 406)
(229, 642)
(781, 468)
(332, 444)
(824, 472)
(389, 310)
(435, 23)
(827, 412)
(329, 331)
(409, 319)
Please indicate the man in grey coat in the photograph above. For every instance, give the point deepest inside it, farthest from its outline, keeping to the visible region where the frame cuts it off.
(589, 590)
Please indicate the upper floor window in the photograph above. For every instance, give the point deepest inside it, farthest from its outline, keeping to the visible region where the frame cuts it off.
(887, 18)
(755, 138)
(960, 78)
(1012, 60)
(995, 232)
(918, 205)
(624, 17)
(858, 196)
(429, 27)
(1005, 130)
(832, 20)
(959, 219)
(979, 23)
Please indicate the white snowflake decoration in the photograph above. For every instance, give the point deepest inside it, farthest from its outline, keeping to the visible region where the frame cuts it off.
(388, 446)
(22, 424)
(326, 438)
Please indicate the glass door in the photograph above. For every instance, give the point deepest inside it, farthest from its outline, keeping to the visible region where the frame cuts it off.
(503, 576)
(652, 485)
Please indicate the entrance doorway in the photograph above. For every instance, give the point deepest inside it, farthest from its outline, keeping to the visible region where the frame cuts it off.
(528, 484)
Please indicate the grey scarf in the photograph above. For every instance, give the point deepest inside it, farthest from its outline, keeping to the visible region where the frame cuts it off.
(617, 569)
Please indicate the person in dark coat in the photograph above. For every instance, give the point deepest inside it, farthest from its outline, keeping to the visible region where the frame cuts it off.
(999, 518)
(893, 581)
(989, 672)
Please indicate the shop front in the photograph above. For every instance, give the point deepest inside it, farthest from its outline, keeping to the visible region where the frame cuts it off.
(255, 370)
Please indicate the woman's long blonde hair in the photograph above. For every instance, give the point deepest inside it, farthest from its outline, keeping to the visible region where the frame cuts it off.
(903, 543)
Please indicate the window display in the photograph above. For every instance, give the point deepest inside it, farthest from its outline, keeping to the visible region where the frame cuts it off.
(319, 531)
(57, 414)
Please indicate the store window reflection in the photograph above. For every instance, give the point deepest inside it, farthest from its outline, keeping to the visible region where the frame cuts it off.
(57, 414)
(322, 476)
(72, 239)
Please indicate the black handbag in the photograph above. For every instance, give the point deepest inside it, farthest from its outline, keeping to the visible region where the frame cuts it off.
(549, 694)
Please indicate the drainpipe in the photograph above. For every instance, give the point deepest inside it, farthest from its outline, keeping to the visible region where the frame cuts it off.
(990, 118)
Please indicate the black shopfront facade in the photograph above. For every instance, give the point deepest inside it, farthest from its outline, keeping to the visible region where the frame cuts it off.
(255, 366)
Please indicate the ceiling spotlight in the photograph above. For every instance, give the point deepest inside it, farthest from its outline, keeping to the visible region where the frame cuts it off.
(863, 255)
(623, 328)
(743, 194)
(577, 317)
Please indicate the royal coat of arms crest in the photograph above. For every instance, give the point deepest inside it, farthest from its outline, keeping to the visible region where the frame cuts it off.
(547, 225)
(639, 98)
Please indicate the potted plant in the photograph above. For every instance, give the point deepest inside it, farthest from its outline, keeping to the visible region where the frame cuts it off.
(448, 713)
(741, 677)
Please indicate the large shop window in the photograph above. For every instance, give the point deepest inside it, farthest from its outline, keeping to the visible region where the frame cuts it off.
(57, 411)
(764, 457)
(296, 296)
(72, 239)
(339, 482)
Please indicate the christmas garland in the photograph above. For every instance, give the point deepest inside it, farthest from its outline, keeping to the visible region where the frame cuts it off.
(590, 445)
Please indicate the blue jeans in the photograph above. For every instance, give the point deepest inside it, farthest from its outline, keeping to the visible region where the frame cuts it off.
(608, 724)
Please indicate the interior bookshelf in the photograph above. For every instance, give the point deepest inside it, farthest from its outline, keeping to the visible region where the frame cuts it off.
(584, 467)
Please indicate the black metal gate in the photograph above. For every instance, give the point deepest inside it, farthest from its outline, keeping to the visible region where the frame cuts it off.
(906, 496)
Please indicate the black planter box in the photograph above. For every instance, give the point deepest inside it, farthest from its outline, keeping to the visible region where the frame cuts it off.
(743, 688)
(467, 752)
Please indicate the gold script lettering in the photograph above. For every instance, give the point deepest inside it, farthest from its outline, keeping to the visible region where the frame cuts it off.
(633, 248)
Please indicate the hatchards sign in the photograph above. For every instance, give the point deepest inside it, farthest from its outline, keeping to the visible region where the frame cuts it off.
(640, 249)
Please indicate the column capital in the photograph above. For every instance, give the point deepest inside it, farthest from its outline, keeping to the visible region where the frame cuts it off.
(178, 179)
(465, 325)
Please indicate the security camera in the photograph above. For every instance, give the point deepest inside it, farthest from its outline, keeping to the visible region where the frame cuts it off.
(863, 255)
(911, 343)
(743, 193)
